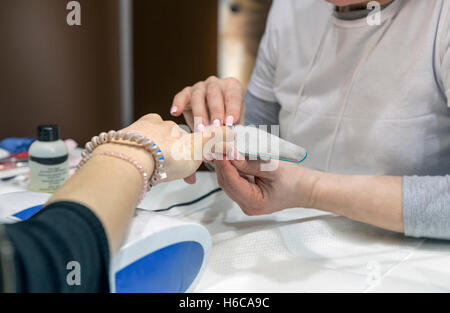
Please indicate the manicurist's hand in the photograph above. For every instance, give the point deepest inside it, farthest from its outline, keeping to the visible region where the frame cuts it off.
(375, 200)
(211, 102)
(264, 187)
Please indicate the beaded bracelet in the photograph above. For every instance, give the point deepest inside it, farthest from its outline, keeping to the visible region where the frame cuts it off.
(158, 174)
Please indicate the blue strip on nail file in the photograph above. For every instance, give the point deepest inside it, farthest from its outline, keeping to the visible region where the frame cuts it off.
(255, 142)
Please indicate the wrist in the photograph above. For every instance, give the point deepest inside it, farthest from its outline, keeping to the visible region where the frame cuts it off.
(308, 187)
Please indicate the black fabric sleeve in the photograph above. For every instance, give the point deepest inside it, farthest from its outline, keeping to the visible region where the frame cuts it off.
(44, 246)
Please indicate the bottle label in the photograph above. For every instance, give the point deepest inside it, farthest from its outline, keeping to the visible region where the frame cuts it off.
(50, 161)
(48, 174)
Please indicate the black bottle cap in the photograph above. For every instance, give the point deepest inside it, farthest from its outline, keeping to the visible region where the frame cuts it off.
(48, 132)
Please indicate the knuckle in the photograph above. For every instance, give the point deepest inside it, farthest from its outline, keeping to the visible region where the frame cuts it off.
(211, 78)
(233, 81)
(212, 90)
(199, 86)
(170, 124)
(186, 90)
(151, 116)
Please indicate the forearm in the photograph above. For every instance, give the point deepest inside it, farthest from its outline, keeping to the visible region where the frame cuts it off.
(109, 187)
(375, 200)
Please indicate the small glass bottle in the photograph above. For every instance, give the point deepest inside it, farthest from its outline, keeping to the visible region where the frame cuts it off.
(49, 160)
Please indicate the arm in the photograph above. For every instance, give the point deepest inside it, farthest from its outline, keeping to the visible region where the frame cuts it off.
(96, 186)
(416, 206)
(375, 200)
(87, 219)
(260, 112)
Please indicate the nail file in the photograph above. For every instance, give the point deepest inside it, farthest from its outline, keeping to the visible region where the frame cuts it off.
(254, 142)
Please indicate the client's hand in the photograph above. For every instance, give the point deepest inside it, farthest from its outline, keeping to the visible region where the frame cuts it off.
(264, 187)
(183, 152)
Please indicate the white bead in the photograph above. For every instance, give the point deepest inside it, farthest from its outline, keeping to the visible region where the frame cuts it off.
(89, 147)
(128, 135)
(95, 141)
(140, 139)
(118, 135)
(111, 135)
(103, 138)
(148, 145)
(134, 138)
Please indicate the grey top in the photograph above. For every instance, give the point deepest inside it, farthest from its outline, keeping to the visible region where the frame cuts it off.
(426, 200)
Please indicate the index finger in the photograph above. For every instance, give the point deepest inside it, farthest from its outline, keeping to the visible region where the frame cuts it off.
(180, 101)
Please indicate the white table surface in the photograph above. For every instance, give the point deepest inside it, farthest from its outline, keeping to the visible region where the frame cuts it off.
(299, 250)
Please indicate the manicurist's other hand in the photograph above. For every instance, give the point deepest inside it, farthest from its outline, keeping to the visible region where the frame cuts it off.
(265, 187)
(211, 102)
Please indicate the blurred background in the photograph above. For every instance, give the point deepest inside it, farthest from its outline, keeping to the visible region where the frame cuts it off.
(126, 59)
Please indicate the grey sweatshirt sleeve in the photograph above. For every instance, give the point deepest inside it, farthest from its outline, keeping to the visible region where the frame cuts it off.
(426, 206)
(260, 112)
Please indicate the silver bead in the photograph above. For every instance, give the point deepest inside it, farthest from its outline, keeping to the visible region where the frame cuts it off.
(84, 154)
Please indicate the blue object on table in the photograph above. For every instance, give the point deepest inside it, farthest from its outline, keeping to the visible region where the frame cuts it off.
(16, 145)
(27, 213)
(168, 270)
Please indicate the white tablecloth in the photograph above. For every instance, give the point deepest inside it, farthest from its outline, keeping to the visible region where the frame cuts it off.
(299, 250)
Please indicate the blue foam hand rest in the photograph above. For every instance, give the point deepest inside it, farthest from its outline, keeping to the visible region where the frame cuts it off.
(255, 142)
(160, 253)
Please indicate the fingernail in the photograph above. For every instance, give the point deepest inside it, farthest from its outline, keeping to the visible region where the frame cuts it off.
(216, 123)
(229, 121)
(173, 110)
(209, 157)
(201, 128)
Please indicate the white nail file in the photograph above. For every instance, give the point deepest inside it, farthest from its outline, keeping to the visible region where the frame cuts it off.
(254, 142)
